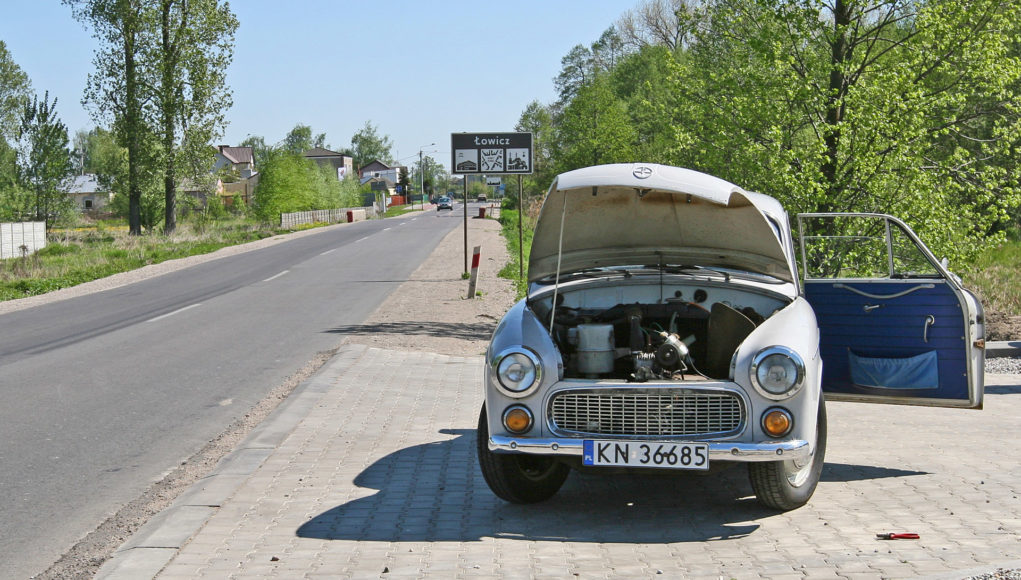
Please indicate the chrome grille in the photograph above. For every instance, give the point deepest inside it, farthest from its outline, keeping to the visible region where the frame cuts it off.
(647, 412)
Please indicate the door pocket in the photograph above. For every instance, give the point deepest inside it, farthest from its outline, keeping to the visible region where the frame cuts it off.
(915, 372)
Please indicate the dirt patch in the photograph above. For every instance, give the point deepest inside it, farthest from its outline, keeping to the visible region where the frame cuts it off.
(1000, 326)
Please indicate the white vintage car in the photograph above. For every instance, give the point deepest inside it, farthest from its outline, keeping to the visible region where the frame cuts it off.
(665, 328)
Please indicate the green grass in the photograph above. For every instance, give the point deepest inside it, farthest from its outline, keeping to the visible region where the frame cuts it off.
(75, 256)
(396, 210)
(512, 270)
(995, 276)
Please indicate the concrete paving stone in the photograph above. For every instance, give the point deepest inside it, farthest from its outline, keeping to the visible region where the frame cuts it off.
(352, 472)
(817, 573)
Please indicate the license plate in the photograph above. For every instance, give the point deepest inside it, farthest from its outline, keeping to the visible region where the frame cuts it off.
(646, 454)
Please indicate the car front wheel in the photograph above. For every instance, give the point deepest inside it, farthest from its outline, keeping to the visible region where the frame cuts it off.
(518, 477)
(787, 485)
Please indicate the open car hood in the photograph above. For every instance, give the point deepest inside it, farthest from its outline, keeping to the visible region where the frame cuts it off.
(646, 214)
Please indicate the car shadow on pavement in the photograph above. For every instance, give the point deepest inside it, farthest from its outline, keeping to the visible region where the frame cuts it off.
(1003, 389)
(436, 492)
(480, 330)
(843, 473)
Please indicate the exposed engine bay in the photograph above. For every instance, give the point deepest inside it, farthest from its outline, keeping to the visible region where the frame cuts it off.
(687, 337)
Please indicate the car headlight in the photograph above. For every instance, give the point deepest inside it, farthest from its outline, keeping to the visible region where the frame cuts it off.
(777, 372)
(518, 371)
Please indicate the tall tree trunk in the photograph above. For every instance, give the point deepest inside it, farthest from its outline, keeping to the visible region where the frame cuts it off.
(132, 122)
(835, 106)
(169, 124)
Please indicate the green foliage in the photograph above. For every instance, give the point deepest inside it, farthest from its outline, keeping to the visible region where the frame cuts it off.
(15, 91)
(300, 139)
(368, 146)
(290, 183)
(901, 107)
(45, 159)
(513, 268)
(160, 82)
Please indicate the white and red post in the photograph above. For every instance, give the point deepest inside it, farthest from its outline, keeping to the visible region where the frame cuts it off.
(475, 272)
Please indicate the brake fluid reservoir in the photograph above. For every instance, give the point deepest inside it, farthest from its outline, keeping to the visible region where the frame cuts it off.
(595, 348)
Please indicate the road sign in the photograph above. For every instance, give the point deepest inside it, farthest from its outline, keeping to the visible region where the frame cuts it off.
(491, 153)
(493, 181)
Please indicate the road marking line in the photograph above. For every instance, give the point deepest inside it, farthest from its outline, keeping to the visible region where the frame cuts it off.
(328, 251)
(178, 311)
(271, 278)
(360, 239)
(385, 229)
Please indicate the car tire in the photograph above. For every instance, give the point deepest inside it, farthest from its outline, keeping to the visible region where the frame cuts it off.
(783, 485)
(518, 477)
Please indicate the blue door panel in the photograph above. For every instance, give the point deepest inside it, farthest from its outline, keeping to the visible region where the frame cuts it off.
(893, 329)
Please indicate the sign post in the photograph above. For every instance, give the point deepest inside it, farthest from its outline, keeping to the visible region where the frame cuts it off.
(489, 153)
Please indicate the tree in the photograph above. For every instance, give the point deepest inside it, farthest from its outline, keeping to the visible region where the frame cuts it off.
(159, 81)
(368, 146)
(898, 107)
(665, 23)
(595, 128)
(190, 97)
(116, 89)
(45, 158)
(260, 150)
(15, 90)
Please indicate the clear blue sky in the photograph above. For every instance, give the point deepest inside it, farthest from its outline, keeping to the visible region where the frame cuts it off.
(418, 70)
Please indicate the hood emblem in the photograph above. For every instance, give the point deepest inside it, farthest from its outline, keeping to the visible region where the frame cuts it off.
(642, 172)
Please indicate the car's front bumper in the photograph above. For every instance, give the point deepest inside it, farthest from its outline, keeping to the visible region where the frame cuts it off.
(796, 449)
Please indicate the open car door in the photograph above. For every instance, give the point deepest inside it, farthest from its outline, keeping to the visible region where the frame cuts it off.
(895, 325)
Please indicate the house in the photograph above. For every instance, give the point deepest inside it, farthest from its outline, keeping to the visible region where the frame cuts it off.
(379, 169)
(87, 193)
(343, 164)
(201, 189)
(237, 159)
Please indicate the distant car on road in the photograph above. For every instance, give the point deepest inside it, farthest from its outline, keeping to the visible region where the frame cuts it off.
(444, 203)
(481, 198)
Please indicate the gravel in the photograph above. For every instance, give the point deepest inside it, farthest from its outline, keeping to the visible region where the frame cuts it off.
(1008, 365)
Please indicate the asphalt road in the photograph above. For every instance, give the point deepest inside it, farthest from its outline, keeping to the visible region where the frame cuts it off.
(104, 394)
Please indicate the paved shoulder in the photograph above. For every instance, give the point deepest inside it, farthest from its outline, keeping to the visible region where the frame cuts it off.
(374, 474)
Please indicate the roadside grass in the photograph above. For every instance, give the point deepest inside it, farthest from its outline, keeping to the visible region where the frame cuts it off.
(513, 268)
(78, 255)
(397, 210)
(995, 275)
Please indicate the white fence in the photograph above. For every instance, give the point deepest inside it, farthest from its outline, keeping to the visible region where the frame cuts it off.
(21, 239)
(326, 216)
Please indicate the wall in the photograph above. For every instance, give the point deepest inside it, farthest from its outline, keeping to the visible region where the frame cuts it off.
(31, 235)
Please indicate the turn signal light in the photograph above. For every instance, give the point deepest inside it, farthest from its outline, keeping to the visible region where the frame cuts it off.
(517, 419)
(777, 422)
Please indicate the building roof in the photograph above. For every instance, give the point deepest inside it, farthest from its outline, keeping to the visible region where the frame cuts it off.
(389, 183)
(237, 154)
(320, 152)
(87, 183)
(375, 165)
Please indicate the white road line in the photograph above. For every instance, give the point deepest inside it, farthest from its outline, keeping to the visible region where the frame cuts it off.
(385, 229)
(178, 311)
(271, 278)
(328, 251)
(360, 239)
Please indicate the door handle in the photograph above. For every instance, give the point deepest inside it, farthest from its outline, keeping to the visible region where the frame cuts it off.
(929, 321)
(871, 307)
